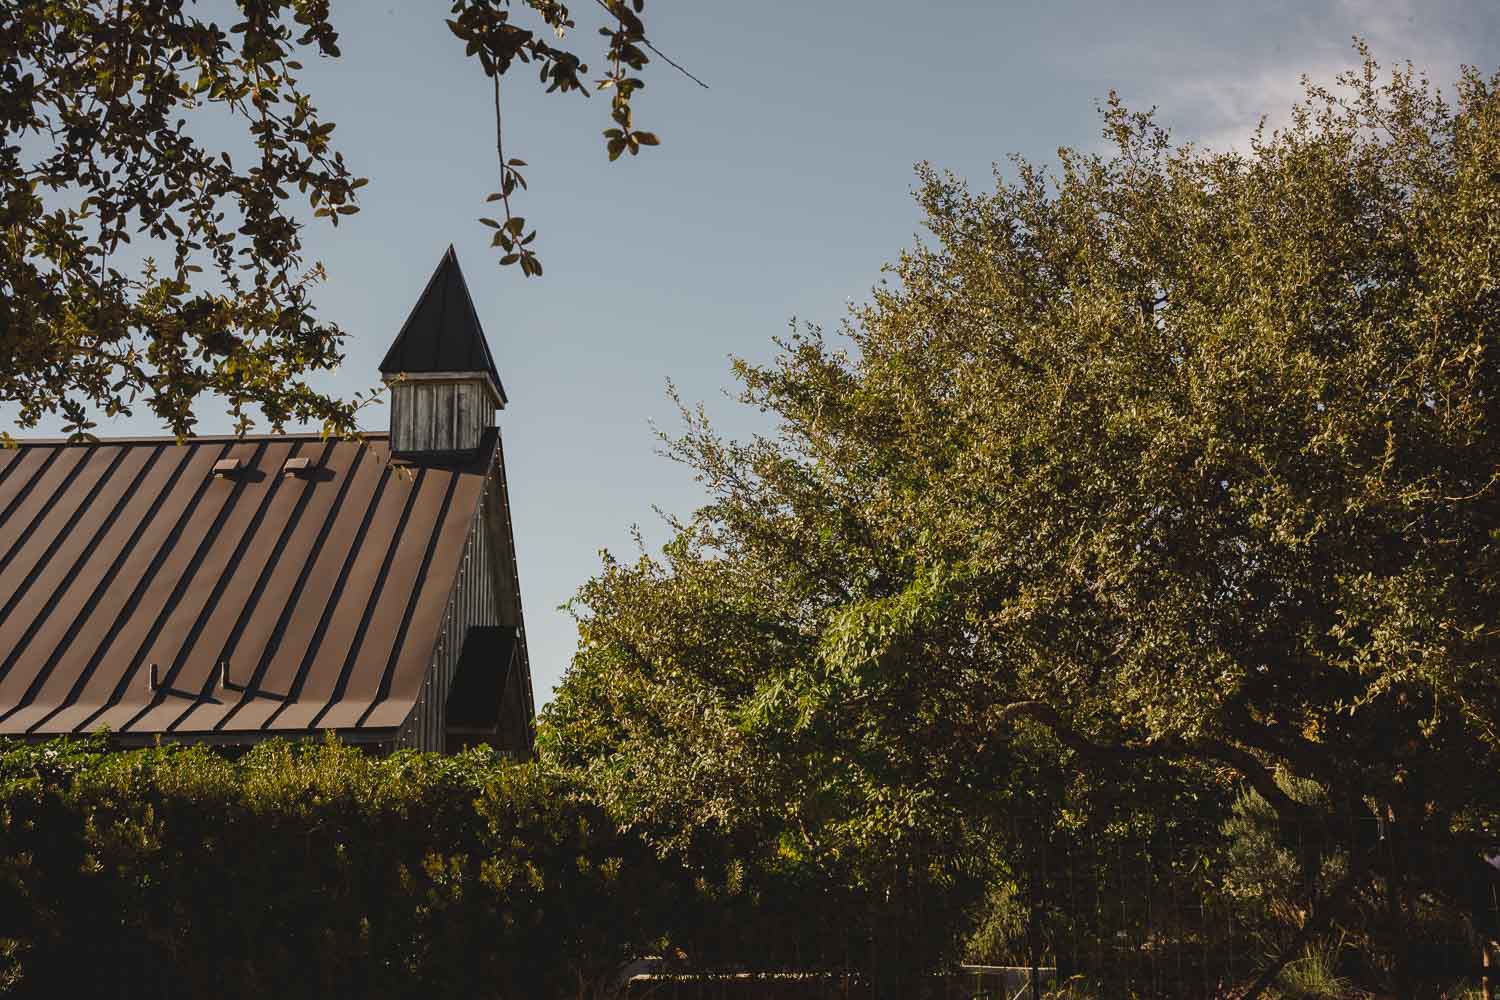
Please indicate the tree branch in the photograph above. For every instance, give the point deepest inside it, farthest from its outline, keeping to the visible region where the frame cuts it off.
(664, 57)
(1257, 774)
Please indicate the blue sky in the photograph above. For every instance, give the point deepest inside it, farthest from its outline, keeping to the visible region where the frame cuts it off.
(777, 194)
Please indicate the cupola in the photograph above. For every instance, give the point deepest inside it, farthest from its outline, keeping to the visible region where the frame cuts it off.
(443, 383)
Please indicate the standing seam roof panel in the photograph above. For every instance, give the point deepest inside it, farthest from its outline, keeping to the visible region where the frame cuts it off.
(411, 670)
(114, 665)
(343, 635)
(110, 596)
(10, 461)
(360, 472)
(24, 487)
(83, 583)
(38, 523)
(57, 558)
(330, 584)
(244, 630)
(400, 582)
(188, 646)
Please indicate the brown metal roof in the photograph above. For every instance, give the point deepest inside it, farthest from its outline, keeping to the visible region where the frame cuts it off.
(321, 588)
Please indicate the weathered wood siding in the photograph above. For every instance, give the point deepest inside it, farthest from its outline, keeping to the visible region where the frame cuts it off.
(439, 416)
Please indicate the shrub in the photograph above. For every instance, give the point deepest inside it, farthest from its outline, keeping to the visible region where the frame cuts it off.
(313, 871)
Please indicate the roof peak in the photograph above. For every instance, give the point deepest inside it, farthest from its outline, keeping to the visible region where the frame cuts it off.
(443, 333)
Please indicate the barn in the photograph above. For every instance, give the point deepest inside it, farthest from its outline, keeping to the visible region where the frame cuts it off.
(230, 590)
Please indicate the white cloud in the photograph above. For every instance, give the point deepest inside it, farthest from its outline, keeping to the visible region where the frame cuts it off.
(1214, 89)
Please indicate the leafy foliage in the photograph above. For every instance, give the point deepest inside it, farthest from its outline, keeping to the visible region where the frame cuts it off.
(98, 107)
(316, 870)
(310, 872)
(1170, 470)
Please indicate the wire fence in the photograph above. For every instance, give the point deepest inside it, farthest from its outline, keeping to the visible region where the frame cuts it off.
(970, 982)
(1354, 906)
(1357, 907)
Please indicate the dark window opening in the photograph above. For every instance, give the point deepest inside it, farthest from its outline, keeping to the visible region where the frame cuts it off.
(479, 688)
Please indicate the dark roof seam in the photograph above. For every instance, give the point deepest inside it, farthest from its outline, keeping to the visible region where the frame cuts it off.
(411, 603)
(88, 670)
(99, 588)
(289, 607)
(247, 610)
(36, 474)
(45, 560)
(316, 644)
(134, 665)
(18, 541)
(12, 465)
(183, 583)
(375, 593)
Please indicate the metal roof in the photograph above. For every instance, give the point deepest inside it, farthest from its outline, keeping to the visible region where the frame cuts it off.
(321, 588)
(443, 333)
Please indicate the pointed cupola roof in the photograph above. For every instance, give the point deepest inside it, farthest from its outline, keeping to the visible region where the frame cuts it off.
(443, 334)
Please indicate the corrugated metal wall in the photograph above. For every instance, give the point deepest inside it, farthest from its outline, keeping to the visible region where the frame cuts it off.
(519, 695)
(486, 592)
(473, 602)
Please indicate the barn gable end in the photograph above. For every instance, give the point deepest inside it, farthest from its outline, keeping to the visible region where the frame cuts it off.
(227, 590)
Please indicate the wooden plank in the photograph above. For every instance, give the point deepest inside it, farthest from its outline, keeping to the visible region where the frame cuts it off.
(398, 407)
(454, 421)
(422, 439)
(463, 403)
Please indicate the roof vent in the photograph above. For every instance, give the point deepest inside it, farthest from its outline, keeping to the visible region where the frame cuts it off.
(226, 467)
(296, 466)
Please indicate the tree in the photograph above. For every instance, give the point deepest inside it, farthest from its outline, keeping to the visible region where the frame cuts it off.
(1168, 457)
(97, 100)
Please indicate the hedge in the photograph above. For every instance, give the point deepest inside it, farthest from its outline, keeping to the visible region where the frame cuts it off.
(315, 871)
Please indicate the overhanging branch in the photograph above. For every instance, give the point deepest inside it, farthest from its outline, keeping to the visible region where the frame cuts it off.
(1247, 764)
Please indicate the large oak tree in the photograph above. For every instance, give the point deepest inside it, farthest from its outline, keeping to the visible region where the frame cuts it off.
(1165, 457)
